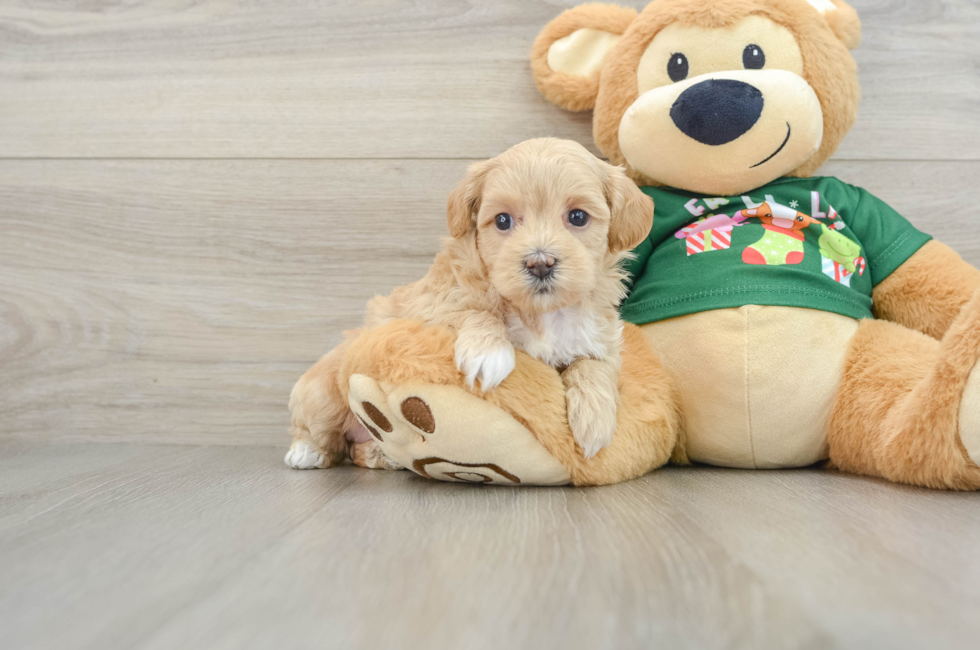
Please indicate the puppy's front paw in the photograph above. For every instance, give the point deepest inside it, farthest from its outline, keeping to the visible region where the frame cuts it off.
(303, 455)
(593, 421)
(489, 360)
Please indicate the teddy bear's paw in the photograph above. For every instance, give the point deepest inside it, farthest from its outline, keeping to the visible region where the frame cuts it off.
(447, 433)
(592, 420)
(303, 454)
(969, 418)
(372, 407)
(962, 341)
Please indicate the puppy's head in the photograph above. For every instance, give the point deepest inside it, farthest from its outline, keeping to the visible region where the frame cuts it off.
(550, 221)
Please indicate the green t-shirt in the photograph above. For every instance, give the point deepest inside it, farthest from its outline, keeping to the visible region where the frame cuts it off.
(800, 242)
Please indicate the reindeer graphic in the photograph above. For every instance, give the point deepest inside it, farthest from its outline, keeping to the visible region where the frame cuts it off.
(783, 241)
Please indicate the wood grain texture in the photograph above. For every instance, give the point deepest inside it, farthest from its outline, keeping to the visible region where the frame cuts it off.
(141, 546)
(177, 301)
(393, 79)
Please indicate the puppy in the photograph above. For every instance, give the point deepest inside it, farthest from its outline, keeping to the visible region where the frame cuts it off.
(538, 235)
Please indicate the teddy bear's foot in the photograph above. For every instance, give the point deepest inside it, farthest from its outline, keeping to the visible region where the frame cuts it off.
(909, 406)
(447, 433)
(970, 416)
(963, 338)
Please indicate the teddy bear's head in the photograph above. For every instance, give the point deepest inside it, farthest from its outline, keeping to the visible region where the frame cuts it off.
(711, 96)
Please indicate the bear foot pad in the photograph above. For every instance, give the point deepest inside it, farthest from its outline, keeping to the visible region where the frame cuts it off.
(447, 433)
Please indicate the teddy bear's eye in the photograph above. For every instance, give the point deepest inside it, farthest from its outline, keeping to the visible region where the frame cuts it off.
(677, 67)
(753, 58)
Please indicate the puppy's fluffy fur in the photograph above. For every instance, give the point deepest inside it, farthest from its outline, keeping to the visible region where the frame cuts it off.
(482, 287)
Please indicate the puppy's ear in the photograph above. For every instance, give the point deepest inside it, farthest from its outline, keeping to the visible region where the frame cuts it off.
(569, 53)
(843, 20)
(464, 201)
(631, 212)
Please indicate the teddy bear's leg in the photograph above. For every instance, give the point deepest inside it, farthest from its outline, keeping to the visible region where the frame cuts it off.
(406, 371)
(320, 416)
(448, 433)
(908, 408)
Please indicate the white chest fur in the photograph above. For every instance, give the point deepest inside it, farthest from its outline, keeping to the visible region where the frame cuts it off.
(562, 336)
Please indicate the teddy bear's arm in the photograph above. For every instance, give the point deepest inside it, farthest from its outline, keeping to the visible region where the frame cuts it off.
(928, 291)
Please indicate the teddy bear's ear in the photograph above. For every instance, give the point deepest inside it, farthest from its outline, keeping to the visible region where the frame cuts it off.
(569, 53)
(843, 20)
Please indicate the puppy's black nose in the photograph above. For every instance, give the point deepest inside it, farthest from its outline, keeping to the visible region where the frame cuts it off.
(540, 266)
(717, 111)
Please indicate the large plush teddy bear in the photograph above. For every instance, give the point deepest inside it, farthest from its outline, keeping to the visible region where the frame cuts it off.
(794, 318)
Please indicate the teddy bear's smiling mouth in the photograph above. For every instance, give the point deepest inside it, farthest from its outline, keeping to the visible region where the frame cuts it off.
(773, 154)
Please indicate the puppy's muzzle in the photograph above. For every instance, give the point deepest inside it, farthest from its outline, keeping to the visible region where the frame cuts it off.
(540, 265)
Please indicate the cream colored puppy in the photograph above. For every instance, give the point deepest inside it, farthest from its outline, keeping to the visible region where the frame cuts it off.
(538, 235)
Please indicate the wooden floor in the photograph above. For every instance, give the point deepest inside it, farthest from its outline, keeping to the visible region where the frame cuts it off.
(198, 196)
(113, 545)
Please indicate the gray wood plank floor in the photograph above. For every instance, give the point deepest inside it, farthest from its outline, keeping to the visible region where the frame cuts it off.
(198, 196)
(150, 546)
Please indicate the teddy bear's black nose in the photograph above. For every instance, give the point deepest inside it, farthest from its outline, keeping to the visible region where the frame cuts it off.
(717, 111)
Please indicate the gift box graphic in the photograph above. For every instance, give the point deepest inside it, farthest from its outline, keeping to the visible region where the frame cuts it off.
(837, 272)
(713, 239)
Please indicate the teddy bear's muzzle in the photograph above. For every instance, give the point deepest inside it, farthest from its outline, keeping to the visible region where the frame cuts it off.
(723, 133)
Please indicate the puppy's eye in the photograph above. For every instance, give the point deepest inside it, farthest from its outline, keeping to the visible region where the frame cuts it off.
(578, 218)
(503, 221)
(753, 58)
(677, 67)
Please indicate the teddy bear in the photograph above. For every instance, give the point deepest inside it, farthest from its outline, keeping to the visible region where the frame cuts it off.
(401, 381)
(801, 318)
(777, 319)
